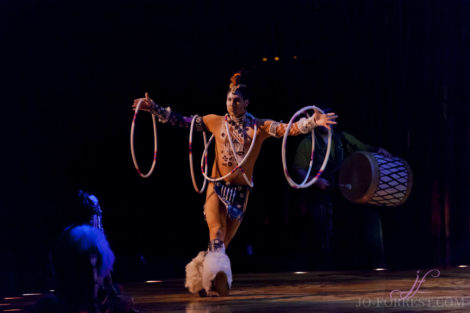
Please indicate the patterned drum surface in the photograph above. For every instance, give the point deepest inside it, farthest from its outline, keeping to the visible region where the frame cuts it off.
(372, 178)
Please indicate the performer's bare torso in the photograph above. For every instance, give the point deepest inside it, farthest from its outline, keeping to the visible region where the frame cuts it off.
(225, 160)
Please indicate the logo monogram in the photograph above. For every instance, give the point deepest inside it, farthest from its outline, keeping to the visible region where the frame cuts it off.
(403, 295)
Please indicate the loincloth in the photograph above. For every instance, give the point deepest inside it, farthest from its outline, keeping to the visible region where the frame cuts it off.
(233, 196)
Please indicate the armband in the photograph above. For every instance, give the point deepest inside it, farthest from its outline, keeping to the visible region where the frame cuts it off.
(198, 123)
(273, 129)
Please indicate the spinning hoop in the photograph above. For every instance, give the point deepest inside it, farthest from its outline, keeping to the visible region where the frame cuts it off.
(154, 143)
(239, 164)
(305, 183)
(199, 191)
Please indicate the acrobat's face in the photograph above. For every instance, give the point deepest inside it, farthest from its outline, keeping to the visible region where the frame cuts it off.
(236, 105)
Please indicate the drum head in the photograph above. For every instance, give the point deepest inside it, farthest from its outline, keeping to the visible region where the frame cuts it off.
(359, 177)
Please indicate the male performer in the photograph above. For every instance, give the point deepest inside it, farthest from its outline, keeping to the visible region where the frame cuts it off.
(226, 200)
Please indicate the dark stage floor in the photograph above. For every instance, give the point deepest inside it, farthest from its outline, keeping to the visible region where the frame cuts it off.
(360, 291)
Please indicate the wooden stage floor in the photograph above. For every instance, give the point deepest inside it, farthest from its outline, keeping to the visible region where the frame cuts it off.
(323, 291)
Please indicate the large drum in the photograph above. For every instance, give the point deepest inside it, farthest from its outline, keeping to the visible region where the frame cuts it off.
(372, 178)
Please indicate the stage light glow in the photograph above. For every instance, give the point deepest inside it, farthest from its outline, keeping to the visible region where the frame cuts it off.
(276, 58)
(264, 59)
(12, 310)
(12, 298)
(153, 281)
(30, 294)
(5, 304)
(378, 269)
(295, 57)
(463, 266)
(52, 290)
(300, 273)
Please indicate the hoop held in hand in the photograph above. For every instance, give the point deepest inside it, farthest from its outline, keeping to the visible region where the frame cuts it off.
(191, 167)
(305, 183)
(155, 142)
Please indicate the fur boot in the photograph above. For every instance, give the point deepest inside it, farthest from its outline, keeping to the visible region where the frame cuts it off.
(194, 273)
(216, 273)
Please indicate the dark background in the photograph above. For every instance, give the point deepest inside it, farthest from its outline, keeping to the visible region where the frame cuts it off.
(397, 73)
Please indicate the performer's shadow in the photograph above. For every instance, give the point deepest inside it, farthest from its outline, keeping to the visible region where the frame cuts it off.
(207, 307)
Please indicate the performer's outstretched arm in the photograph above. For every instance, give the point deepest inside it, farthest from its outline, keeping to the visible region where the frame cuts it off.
(302, 126)
(166, 115)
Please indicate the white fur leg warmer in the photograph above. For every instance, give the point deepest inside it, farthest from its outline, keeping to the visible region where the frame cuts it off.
(215, 262)
(194, 273)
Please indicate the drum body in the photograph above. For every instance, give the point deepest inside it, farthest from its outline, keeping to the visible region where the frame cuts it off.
(372, 178)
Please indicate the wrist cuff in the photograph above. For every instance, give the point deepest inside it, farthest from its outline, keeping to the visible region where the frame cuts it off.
(162, 114)
(306, 124)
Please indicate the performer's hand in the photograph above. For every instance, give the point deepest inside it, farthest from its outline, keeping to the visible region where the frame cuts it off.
(322, 183)
(324, 119)
(146, 105)
(384, 152)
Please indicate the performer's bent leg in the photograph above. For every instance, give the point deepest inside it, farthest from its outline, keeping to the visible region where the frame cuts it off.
(211, 270)
(216, 272)
(233, 224)
(216, 215)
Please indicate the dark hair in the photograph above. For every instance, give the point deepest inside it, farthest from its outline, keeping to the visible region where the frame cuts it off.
(239, 84)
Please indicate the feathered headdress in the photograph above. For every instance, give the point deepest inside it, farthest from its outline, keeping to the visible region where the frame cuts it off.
(235, 82)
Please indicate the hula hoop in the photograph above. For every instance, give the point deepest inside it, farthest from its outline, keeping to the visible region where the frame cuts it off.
(239, 164)
(154, 143)
(312, 154)
(193, 178)
(305, 183)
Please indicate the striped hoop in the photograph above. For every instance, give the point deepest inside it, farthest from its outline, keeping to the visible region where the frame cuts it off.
(154, 143)
(305, 183)
(193, 178)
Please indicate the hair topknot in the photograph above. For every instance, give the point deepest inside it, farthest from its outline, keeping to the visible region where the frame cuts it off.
(238, 83)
